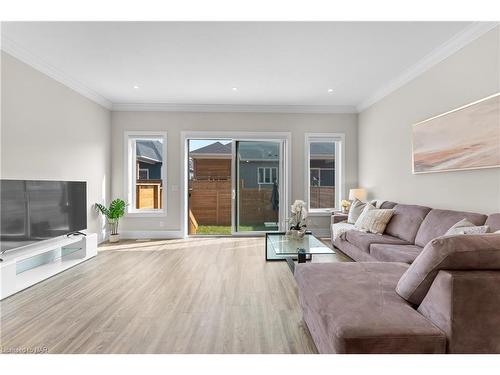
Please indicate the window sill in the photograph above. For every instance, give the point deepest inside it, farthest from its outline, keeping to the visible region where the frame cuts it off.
(322, 213)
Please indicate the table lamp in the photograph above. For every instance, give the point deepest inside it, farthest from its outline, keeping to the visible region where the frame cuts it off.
(358, 193)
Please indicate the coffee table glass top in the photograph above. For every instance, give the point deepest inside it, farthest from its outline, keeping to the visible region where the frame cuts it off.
(278, 245)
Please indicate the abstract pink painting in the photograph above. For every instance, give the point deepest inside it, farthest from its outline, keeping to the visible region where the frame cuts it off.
(465, 138)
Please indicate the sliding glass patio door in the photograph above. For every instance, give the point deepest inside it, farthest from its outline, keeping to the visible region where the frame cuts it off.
(257, 186)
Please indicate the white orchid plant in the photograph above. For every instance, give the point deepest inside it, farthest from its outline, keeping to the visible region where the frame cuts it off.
(297, 220)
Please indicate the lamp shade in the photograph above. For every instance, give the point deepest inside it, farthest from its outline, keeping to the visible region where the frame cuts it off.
(357, 194)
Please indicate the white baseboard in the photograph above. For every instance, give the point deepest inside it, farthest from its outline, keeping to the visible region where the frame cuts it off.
(159, 234)
(153, 234)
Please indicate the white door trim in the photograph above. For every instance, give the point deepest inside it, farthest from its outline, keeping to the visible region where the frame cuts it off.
(286, 137)
(340, 185)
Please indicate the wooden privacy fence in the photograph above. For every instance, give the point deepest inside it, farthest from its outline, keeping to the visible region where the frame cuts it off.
(210, 203)
(149, 194)
(322, 197)
(256, 206)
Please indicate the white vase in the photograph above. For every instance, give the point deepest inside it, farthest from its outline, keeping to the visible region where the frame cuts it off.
(114, 238)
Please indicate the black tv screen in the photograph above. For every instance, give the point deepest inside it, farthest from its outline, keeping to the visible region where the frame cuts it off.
(33, 211)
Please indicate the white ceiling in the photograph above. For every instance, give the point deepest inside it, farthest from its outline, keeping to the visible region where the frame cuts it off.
(274, 63)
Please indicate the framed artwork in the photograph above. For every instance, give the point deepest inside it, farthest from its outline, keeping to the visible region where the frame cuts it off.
(464, 138)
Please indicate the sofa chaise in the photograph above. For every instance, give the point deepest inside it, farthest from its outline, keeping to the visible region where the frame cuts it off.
(412, 290)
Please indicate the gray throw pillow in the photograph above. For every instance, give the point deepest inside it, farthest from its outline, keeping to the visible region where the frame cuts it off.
(356, 209)
(464, 226)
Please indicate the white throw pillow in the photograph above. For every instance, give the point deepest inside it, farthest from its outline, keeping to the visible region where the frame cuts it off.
(464, 226)
(373, 219)
(339, 228)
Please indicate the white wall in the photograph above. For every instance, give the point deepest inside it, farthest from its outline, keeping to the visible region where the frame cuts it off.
(51, 132)
(175, 122)
(385, 165)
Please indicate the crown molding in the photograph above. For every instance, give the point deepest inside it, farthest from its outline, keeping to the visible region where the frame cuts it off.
(447, 49)
(27, 57)
(460, 40)
(170, 107)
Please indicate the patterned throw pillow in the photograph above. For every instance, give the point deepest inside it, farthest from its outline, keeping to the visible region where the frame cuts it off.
(464, 226)
(355, 210)
(373, 219)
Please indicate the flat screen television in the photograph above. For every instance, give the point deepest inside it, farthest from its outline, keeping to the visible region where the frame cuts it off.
(33, 211)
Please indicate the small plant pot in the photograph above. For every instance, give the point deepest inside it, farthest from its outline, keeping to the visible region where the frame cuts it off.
(114, 238)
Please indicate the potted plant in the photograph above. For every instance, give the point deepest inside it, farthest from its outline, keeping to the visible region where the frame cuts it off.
(113, 213)
(345, 205)
(297, 221)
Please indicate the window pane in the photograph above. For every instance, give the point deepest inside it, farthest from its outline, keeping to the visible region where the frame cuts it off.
(327, 177)
(257, 205)
(275, 175)
(261, 175)
(268, 175)
(322, 175)
(149, 167)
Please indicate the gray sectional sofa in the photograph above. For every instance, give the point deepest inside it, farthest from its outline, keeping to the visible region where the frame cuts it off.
(409, 230)
(411, 290)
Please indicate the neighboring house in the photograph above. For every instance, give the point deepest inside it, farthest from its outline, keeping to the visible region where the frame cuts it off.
(149, 160)
(212, 162)
(149, 180)
(322, 164)
(258, 164)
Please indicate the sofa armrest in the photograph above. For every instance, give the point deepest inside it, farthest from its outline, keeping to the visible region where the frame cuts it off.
(466, 305)
(338, 217)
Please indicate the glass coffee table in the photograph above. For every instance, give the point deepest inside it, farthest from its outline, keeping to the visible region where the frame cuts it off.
(281, 247)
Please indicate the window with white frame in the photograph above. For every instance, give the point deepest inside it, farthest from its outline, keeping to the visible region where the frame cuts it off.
(266, 175)
(146, 172)
(323, 171)
(143, 174)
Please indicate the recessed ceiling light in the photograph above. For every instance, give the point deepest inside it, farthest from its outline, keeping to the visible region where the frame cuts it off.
(234, 89)
(136, 87)
(330, 90)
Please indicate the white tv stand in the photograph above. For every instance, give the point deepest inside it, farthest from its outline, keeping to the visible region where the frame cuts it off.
(27, 266)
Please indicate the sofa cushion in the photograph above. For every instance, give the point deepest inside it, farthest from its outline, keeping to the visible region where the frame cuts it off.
(457, 252)
(437, 222)
(353, 308)
(493, 222)
(395, 253)
(363, 240)
(352, 251)
(406, 221)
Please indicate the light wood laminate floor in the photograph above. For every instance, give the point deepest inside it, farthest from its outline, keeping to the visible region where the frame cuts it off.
(201, 295)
